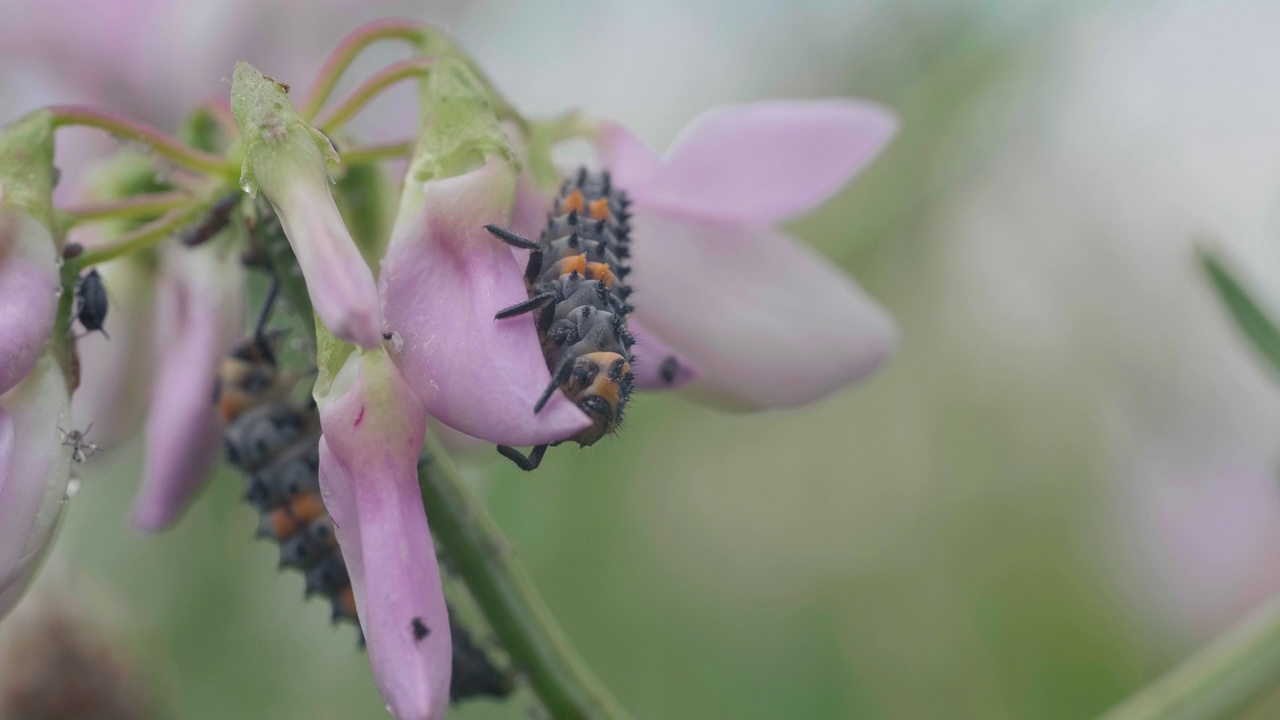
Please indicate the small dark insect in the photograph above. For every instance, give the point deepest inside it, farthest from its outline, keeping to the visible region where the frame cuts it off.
(72, 250)
(668, 369)
(420, 630)
(81, 449)
(91, 302)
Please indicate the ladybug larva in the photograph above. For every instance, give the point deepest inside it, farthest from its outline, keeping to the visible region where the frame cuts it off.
(578, 299)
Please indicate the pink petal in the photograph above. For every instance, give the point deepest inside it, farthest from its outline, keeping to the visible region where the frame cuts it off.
(651, 354)
(198, 322)
(339, 282)
(34, 470)
(631, 164)
(373, 430)
(116, 372)
(29, 292)
(765, 162)
(768, 322)
(443, 279)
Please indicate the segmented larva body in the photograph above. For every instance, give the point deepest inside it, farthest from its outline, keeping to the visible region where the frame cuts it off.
(578, 298)
(275, 440)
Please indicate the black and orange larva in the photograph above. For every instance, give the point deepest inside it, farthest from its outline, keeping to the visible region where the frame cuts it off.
(576, 291)
(274, 438)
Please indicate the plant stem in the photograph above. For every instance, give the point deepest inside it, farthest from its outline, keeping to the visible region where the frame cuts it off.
(130, 208)
(505, 594)
(147, 235)
(161, 143)
(347, 50)
(1217, 681)
(360, 154)
(338, 115)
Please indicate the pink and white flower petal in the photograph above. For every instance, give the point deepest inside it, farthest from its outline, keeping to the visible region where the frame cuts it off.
(443, 279)
(373, 429)
(656, 365)
(200, 310)
(761, 163)
(35, 467)
(767, 322)
(29, 292)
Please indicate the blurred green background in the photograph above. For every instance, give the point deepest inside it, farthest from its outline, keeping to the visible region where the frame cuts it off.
(1060, 486)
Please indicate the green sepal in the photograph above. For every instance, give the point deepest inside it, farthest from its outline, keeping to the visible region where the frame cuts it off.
(275, 140)
(331, 355)
(1249, 316)
(27, 174)
(459, 128)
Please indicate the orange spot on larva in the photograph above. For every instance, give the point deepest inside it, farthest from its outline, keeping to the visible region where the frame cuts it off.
(599, 209)
(574, 202)
(307, 507)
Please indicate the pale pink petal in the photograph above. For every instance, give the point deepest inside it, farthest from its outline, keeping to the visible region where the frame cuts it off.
(339, 282)
(631, 164)
(28, 292)
(768, 322)
(373, 430)
(201, 305)
(656, 365)
(33, 480)
(443, 279)
(765, 162)
(117, 369)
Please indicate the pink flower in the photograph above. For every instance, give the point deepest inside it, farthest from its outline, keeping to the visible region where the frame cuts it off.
(373, 429)
(35, 467)
(286, 160)
(200, 303)
(29, 292)
(753, 318)
(443, 279)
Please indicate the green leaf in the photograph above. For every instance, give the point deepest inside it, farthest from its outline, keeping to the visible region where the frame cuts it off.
(1249, 316)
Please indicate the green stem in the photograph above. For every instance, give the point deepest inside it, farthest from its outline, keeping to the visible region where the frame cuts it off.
(361, 154)
(135, 207)
(147, 235)
(161, 143)
(1219, 680)
(338, 115)
(505, 594)
(347, 50)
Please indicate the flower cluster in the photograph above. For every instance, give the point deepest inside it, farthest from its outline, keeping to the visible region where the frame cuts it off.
(727, 308)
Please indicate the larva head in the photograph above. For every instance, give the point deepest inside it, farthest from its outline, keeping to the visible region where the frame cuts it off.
(599, 385)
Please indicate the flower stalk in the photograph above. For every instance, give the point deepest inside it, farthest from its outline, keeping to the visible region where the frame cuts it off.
(337, 116)
(160, 142)
(149, 234)
(485, 560)
(1220, 679)
(135, 207)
